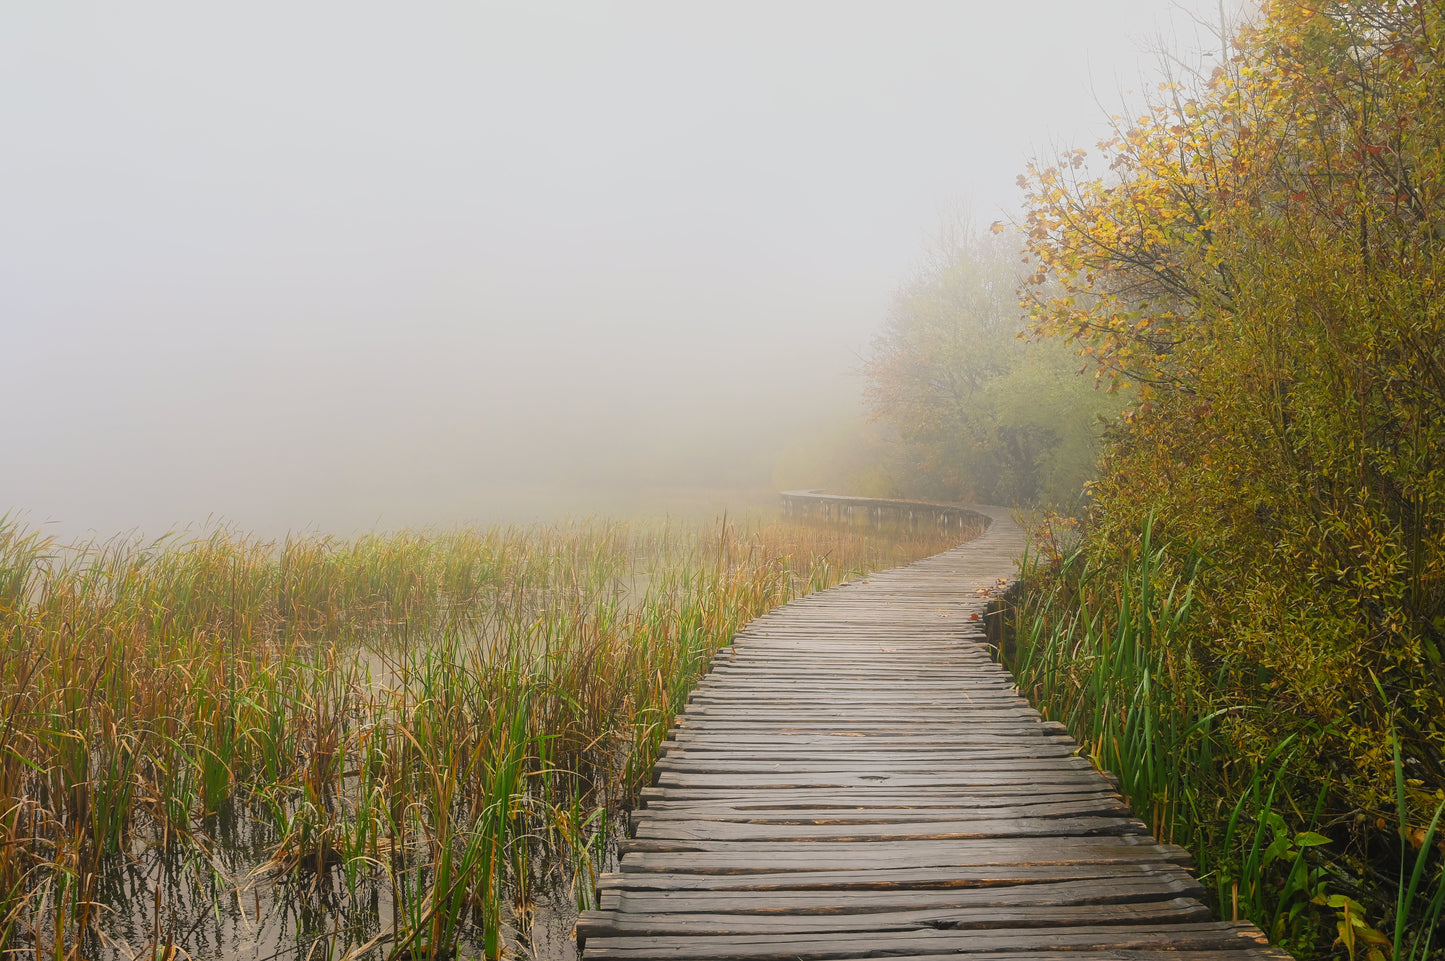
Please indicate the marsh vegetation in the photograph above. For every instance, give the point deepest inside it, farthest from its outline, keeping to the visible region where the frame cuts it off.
(401, 746)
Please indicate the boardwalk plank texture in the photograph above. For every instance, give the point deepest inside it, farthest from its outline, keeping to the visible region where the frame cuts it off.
(856, 778)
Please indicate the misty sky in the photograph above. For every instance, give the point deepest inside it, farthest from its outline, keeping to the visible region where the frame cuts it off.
(342, 264)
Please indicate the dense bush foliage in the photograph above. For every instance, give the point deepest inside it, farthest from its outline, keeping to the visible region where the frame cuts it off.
(1263, 262)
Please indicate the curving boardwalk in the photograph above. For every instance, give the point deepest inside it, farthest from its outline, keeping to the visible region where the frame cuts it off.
(856, 778)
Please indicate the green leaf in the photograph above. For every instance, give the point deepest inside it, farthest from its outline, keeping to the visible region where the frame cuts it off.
(1309, 839)
(1276, 850)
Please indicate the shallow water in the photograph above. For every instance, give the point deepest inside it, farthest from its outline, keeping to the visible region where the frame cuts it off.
(226, 906)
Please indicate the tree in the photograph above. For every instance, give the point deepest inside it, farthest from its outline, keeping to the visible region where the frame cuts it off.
(981, 413)
(1263, 259)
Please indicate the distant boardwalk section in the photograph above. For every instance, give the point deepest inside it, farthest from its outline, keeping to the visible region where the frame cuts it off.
(840, 508)
(856, 778)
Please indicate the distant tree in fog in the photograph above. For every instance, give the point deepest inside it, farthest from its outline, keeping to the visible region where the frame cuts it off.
(980, 413)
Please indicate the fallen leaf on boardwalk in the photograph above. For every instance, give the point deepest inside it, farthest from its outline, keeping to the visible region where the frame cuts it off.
(973, 616)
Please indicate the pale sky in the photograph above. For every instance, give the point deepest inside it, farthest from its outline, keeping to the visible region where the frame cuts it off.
(343, 264)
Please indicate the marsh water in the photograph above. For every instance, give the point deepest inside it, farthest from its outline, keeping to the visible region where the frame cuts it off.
(228, 892)
(230, 906)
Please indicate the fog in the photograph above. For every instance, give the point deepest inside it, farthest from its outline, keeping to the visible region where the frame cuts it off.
(342, 265)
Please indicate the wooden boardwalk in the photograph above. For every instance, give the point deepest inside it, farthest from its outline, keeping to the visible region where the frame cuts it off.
(856, 778)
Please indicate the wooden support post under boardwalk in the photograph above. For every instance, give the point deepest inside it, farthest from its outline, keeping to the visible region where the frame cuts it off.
(857, 778)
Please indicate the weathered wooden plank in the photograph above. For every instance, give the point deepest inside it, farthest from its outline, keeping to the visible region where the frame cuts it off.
(896, 813)
(901, 761)
(883, 789)
(788, 697)
(1047, 780)
(804, 746)
(919, 728)
(638, 924)
(1243, 951)
(900, 808)
(999, 710)
(882, 763)
(963, 659)
(813, 743)
(1198, 935)
(939, 878)
(978, 730)
(753, 856)
(1162, 883)
(838, 752)
(687, 830)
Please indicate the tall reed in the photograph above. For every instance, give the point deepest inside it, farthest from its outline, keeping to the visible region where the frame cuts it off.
(382, 743)
(1103, 644)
